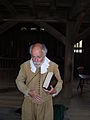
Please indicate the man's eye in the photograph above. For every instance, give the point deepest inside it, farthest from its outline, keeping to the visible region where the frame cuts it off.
(39, 56)
(36, 57)
(33, 57)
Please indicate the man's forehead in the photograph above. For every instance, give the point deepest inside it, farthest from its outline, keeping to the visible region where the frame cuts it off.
(37, 45)
(36, 48)
(37, 51)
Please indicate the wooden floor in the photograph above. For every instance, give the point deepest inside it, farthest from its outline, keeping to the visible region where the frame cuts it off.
(79, 107)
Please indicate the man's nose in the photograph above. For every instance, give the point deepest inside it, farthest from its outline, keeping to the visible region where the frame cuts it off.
(36, 59)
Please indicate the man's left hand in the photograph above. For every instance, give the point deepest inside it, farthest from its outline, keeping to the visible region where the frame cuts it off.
(51, 91)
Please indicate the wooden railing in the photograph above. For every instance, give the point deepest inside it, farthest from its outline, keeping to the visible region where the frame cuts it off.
(10, 62)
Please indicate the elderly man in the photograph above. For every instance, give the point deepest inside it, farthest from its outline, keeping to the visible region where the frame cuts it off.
(37, 103)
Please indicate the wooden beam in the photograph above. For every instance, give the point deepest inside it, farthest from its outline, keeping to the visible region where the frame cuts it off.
(77, 26)
(32, 5)
(52, 7)
(7, 25)
(79, 21)
(8, 6)
(31, 19)
(59, 36)
(78, 7)
(68, 63)
(82, 36)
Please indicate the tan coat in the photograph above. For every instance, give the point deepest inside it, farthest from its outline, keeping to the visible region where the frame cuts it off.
(27, 80)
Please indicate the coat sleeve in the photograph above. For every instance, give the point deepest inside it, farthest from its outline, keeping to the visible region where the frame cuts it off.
(20, 80)
(60, 82)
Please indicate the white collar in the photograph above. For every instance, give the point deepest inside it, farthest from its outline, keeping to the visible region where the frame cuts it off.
(44, 66)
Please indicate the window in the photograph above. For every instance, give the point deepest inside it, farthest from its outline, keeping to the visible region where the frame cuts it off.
(78, 47)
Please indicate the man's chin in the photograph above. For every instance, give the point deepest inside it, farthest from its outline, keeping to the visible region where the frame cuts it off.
(37, 66)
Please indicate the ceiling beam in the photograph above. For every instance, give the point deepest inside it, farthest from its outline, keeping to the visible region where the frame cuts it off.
(77, 25)
(32, 5)
(79, 22)
(78, 7)
(51, 30)
(31, 19)
(5, 26)
(82, 35)
(52, 7)
(9, 7)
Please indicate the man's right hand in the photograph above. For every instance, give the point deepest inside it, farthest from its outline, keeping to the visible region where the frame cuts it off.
(35, 96)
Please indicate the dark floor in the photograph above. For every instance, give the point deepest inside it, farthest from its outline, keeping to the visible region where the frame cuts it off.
(10, 101)
(7, 113)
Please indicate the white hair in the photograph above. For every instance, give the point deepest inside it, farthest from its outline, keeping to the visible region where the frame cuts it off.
(44, 49)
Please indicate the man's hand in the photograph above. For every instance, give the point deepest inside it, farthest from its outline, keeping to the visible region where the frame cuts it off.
(35, 96)
(51, 91)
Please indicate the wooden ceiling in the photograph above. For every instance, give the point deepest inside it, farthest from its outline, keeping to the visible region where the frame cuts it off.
(61, 11)
(46, 10)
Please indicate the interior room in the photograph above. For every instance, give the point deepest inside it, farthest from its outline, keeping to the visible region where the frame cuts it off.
(64, 27)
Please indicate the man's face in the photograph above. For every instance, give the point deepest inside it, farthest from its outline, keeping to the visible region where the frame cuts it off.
(37, 56)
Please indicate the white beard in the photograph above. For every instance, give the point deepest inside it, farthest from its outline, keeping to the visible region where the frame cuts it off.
(43, 65)
(37, 64)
